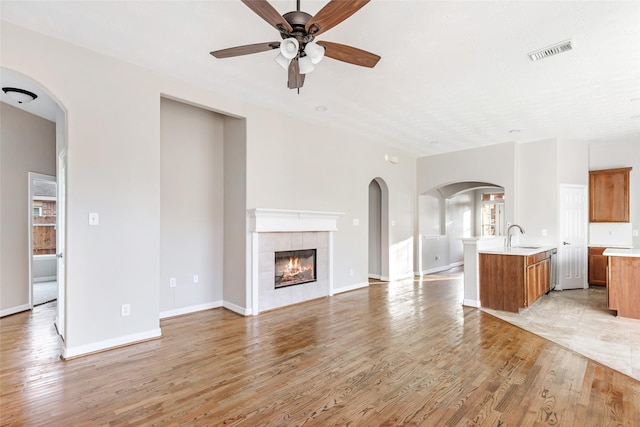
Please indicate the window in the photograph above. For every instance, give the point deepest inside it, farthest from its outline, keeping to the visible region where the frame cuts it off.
(491, 214)
(37, 211)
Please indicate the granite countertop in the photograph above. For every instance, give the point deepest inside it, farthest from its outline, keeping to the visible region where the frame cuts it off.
(518, 250)
(622, 252)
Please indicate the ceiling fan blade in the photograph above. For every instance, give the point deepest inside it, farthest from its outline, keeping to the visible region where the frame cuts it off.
(349, 54)
(245, 50)
(296, 80)
(332, 14)
(263, 9)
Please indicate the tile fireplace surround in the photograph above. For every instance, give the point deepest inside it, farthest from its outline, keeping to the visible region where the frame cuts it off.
(286, 230)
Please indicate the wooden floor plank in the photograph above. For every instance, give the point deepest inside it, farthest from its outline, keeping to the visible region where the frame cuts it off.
(403, 353)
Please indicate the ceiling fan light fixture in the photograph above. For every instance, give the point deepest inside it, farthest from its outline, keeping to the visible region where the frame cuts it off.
(21, 96)
(289, 47)
(283, 61)
(306, 65)
(314, 51)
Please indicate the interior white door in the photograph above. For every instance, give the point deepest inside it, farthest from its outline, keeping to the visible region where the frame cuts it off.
(61, 242)
(572, 248)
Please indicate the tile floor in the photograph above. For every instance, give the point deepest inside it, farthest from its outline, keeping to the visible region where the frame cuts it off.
(579, 320)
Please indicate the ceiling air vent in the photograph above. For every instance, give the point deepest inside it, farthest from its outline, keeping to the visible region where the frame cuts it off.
(551, 50)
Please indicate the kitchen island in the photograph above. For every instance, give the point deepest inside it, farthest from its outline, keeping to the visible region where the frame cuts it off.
(623, 281)
(513, 279)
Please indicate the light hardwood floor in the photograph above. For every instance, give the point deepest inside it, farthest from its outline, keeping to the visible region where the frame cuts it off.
(404, 353)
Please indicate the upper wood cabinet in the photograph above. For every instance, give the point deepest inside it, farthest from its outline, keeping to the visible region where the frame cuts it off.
(609, 195)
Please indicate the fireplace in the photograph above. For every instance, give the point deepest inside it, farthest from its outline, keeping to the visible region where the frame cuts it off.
(305, 235)
(294, 267)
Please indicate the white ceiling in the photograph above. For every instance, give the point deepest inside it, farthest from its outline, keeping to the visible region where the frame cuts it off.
(453, 74)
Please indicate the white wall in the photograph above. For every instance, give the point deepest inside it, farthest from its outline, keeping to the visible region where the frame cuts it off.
(431, 215)
(537, 183)
(44, 268)
(191, 205)
(27, 144)
(618, 154)
(461, 213)
(494, 164)
(300, 166)
(114, 168)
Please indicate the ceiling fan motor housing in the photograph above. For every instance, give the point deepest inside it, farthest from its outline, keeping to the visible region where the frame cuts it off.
(298, 21)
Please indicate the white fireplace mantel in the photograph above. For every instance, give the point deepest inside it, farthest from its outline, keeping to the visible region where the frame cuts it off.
(275, 220)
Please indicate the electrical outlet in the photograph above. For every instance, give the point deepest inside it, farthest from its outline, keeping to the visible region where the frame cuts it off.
(94, 218)
(196, 279)
(172, 282)
(544, 231)
(635, 233)
(356, 221)
(125, 310)
(351, 272)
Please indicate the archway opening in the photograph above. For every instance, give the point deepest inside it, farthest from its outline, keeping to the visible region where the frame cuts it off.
(378, 248)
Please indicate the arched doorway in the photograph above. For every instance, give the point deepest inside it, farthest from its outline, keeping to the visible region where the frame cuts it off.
(46, 106)
(378, 229)
(450, 212)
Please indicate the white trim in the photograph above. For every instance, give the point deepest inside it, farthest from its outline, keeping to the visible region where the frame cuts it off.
(471, 303)
(190, 309)
(255, 274)
(351, 288)
(13, 310)
(331, 291)
(82, 350)
(236, 308)
(441, 268)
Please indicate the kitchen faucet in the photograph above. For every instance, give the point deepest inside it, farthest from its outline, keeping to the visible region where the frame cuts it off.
(509, 234)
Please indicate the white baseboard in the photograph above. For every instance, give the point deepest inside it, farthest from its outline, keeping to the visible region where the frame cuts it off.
(13, 310)
(45, 279)
(190, 309)
(441, 268)
(350, 288)
(236, 308)
(471, 303)
(71, 352)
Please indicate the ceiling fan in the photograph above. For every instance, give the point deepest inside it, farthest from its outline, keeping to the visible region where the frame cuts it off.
(299, 51)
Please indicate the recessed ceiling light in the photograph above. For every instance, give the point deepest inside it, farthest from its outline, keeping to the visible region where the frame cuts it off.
(321, 108)
(515, 131)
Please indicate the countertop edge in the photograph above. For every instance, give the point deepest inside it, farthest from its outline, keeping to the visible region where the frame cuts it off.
(517, 250)
(635, 253)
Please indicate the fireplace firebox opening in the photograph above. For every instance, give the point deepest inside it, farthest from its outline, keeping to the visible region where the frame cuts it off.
(295, 267)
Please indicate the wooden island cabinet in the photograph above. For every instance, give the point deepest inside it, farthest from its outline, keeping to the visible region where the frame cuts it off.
(623, 290)
(513, 281)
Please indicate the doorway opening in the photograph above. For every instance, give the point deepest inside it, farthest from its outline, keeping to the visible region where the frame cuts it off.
(378, 230)
(43, 269)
